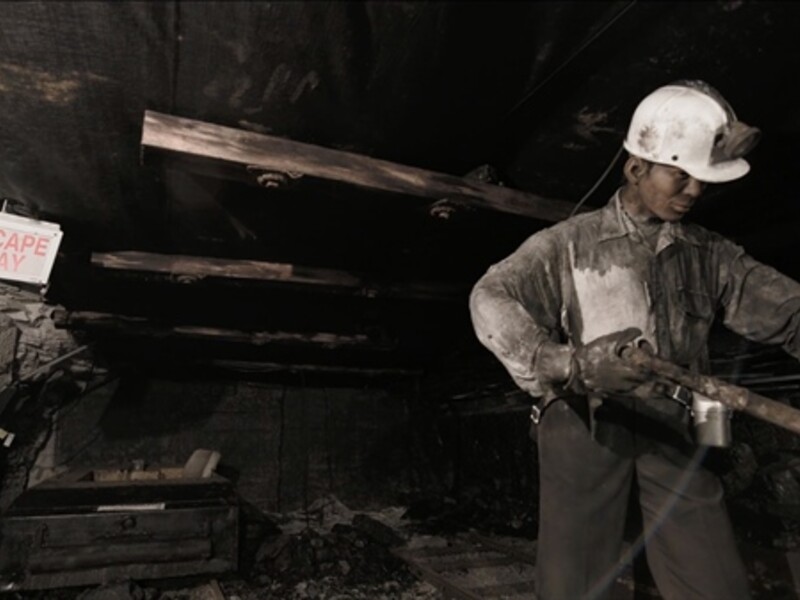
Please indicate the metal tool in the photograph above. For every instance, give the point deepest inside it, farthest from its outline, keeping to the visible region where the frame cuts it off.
(731, 396)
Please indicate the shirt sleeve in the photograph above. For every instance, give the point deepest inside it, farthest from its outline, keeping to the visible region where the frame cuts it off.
(515, 307)
(760, 303)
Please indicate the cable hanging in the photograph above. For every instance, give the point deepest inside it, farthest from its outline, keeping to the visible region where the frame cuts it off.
(597, 183)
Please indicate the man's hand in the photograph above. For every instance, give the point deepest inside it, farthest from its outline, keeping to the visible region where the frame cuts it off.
(598, 366)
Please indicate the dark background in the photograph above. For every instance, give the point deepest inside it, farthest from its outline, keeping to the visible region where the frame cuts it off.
(541, 91)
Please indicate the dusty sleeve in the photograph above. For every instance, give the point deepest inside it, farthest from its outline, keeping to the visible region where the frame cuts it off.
(760, 303)
(515, 307)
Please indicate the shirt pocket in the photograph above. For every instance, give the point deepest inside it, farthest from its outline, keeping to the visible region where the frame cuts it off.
(691, 324)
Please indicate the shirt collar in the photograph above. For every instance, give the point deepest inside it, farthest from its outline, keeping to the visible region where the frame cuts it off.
(612, 226)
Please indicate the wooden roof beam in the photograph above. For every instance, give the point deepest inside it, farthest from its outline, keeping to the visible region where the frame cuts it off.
(142, 326)
(258, 367)
(263, 159)
(189, 269)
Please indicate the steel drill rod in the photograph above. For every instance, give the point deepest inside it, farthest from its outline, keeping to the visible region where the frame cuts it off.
(732, 396)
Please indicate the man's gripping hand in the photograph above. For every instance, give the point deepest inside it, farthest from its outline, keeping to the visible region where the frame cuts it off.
(598, 366)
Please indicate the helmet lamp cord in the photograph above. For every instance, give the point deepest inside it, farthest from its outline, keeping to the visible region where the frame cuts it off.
(598, 182)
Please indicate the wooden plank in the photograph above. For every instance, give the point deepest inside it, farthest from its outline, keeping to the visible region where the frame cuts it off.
(243, 366)
(9, 338)
(133, 572)
(432, 576)
(425, 552)
(73, 558)
(141, 326)
(523, 588)
(209, 590)
(522, 555)
(191, 269)
(496, 569)
(454, 571)
(477, 559)
(230, 147)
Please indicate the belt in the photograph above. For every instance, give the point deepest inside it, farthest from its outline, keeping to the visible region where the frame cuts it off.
(680, 394)
(578, 403)
(536, 413)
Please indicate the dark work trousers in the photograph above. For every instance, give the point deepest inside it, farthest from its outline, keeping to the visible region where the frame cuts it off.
(584, 492)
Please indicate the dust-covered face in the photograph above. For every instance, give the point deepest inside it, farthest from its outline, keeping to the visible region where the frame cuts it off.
(665, 192)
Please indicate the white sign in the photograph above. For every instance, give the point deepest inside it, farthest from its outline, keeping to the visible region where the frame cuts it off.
(27, 248)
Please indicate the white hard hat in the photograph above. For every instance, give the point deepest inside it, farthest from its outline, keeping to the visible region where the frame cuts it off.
(689, 125)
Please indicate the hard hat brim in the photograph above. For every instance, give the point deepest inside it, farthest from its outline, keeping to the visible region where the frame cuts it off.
(720, 172)
(729, 170)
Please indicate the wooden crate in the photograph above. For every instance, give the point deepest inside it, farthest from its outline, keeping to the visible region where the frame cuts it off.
(91, 527)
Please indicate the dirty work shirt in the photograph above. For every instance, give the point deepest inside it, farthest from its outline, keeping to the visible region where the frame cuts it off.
(595, 274)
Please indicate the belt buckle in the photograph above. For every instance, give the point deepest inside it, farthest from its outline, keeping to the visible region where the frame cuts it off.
(682, 395)
(536, 414)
